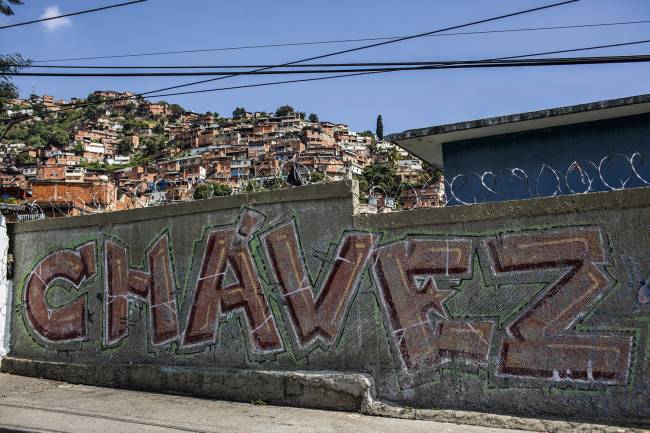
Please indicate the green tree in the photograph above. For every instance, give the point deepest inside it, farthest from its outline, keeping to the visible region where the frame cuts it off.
(220, 189)
(24, 159)
(209, 190)
(129, 124)
(316, 176)
(380, 128)
(154, 144)
(284, 110)
(94, 97)
(5, 9)
(391, 154)
(313, 118)
(176, 110)
(159, 128)
(130, 108)
(273, 184)
(59, 137)
(238, 112)
(125, 147)
(383, 176)
(203, 191)
(36, 141)
(431, 175)
(9, 64)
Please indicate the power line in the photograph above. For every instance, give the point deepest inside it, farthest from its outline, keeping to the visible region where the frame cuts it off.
(424, 66)
(307, 65)
(574, 50)
(82, 105)
(75, 106)
(337, 41)
(304, 65)
(245, 86)
(24, 23)
(377, 44)
(534, 62)
(14, 121)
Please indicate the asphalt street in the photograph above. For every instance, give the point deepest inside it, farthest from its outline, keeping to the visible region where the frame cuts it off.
(37, 405)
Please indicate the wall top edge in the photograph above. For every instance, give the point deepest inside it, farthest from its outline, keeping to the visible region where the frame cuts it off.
(545, 206)
(332, 190)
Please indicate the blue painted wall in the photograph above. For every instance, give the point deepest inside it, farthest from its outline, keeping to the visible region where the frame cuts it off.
(551, 161)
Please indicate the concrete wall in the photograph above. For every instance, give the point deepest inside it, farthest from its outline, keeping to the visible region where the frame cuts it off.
(557, 148)
(535, 307)
(5, 290)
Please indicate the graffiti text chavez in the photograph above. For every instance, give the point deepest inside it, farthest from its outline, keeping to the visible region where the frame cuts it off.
(539, 342)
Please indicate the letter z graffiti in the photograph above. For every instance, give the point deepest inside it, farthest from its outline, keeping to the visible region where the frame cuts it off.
(541, 342)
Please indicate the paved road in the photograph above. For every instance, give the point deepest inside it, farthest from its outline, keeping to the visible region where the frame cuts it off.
(36, 405)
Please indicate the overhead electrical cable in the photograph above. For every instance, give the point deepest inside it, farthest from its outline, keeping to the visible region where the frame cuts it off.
(374, 45)
(336, 41)
(422, 67)
(71, 107)
(87, 11)
(536, 9)
(307, 65)
(329, 77)
(245, 86)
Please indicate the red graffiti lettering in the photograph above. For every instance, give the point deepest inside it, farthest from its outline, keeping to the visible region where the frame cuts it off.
(540, 342)
(155, 287)
(321, 316)
(68, 322)
(398, 268)
(228, 248)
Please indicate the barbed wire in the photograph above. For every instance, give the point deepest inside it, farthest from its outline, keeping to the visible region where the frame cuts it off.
(610, 173)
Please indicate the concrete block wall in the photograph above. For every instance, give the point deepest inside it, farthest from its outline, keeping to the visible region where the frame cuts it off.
(536, 308)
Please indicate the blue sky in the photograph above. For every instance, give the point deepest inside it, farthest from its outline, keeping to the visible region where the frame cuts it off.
(406, 99)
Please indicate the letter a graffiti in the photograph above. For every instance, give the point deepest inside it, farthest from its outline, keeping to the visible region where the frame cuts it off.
(213, 298)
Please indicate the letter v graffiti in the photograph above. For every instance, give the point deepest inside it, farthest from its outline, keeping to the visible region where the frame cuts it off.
(316, 315)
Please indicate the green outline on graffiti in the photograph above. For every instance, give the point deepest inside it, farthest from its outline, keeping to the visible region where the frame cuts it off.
(18, 298)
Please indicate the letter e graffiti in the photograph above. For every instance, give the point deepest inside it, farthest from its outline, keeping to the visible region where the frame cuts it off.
(421, 344)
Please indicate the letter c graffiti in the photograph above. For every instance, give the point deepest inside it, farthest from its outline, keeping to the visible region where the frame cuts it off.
(67, 322)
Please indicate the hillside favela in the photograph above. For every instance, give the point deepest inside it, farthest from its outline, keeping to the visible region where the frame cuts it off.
(124, 152)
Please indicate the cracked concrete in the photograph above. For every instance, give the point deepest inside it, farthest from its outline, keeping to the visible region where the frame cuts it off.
(38, 405)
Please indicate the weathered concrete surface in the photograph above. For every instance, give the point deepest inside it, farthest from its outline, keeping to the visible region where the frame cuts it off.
(537, 308)
(323, 390)
(28, 404)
